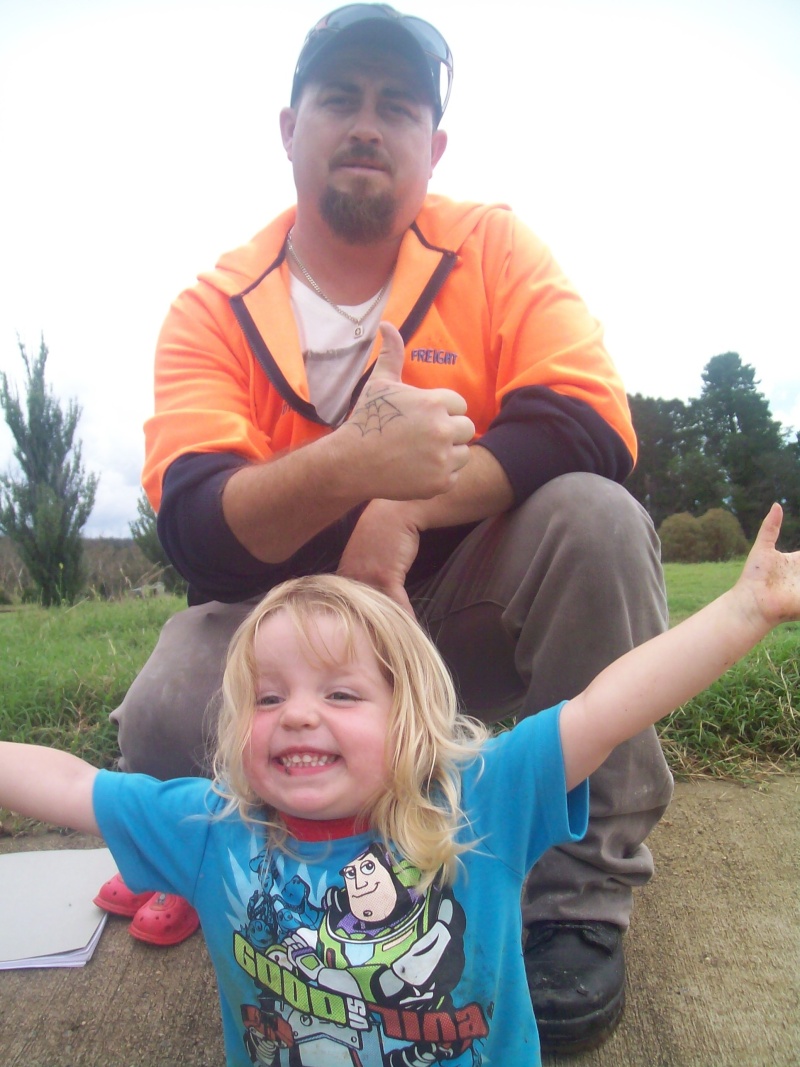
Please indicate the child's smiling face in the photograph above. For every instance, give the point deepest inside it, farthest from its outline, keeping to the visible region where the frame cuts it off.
(318, 743)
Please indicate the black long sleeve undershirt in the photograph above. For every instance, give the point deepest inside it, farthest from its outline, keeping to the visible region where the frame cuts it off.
(537, 436)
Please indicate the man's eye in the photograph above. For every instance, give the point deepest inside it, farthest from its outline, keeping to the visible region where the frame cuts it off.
(338, 101)
(400, 109)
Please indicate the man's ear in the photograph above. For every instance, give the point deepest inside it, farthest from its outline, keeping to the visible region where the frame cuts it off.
(438, 145)
(288, 120)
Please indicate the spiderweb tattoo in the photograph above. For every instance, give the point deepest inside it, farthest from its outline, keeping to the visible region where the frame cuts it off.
(374, 413)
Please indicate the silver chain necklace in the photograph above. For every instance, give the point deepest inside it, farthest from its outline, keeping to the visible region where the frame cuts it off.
(359, 329)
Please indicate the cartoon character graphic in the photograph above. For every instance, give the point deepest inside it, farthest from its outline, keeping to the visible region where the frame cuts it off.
(366, 978)
(275, 910)
(402, 948)
(266, 1033)
(296, 909)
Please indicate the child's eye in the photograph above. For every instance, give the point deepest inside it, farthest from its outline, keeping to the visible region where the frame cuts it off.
(268, 700)
(342, 696)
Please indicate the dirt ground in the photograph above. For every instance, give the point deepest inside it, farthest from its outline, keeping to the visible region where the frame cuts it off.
(713, 959)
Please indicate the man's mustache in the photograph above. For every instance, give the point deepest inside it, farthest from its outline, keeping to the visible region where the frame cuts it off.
(354, 155)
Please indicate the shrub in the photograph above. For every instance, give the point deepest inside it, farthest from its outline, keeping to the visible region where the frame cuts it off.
(723, 535)
(682, 539)
(713, 538)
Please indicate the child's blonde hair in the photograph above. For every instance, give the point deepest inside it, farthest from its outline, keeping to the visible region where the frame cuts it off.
(427, 739)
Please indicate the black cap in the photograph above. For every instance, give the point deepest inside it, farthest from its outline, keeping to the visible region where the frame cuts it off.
(380, 27)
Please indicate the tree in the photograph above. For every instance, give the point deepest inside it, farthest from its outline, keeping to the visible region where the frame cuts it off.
(145, 533)
(790, 480)
(721, 450)
(699, 482)
(739, 431)
(672, 473)
(659, 430)
(44, 509)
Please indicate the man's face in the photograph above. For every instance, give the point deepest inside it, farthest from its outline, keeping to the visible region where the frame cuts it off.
(362, 145)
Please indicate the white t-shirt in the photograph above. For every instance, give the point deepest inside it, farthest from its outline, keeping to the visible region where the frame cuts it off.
(334, 357)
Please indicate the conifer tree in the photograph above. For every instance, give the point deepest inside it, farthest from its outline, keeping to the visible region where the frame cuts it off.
(45, 505)
(145, 533)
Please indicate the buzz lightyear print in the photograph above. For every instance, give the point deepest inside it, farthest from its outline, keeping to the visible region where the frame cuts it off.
(363, 977)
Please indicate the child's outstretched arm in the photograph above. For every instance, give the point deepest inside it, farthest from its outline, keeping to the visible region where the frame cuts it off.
(49, 785)
(652, 680)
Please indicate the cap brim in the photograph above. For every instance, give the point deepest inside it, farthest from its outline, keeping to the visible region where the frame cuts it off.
(386, 35)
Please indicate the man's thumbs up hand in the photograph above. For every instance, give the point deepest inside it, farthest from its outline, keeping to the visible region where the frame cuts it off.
(389, 364)
(413, 441)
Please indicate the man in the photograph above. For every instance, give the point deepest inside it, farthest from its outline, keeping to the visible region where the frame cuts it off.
(469, 465)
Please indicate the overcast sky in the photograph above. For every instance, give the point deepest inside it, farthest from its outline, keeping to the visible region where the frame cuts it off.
(654, 144)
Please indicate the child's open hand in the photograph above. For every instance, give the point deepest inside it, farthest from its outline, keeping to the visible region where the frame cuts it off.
(653, 679)
(772, 578)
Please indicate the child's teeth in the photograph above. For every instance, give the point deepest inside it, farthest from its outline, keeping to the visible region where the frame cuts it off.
(307, 760)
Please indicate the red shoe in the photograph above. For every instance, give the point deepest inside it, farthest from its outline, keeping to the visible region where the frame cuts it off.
(164, 920)
(115, 897)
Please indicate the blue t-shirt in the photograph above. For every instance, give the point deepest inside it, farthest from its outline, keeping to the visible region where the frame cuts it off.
(327, 955)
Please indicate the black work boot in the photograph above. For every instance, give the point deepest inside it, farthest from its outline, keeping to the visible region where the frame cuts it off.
(576, 976)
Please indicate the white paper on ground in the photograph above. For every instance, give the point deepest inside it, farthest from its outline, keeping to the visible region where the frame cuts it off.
(47, 918)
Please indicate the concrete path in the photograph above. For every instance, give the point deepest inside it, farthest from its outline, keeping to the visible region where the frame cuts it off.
(713, 960)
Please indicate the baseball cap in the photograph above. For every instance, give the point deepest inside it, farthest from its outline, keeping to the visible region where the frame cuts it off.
(380, 25)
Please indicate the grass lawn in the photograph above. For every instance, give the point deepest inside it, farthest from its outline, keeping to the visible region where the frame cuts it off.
(65, 669)
(690, 586)
(748, 721)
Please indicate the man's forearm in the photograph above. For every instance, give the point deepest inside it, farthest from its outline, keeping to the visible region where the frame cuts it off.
(274, 508)
(385, 541)
(400, 443)
(482, 490)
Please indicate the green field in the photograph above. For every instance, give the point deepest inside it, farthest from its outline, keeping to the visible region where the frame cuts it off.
(748, 721)
(65, 669)
(692, 585)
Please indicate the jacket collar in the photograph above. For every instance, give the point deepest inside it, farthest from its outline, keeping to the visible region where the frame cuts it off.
(264, 312)
(256, 279)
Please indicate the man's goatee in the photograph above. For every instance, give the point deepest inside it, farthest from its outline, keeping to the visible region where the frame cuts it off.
(358, 219)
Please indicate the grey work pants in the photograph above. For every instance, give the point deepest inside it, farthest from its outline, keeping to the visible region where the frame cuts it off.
(531, 606)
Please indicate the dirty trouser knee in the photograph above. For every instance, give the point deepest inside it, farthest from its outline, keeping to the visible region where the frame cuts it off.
(527, 611)
(166, 721)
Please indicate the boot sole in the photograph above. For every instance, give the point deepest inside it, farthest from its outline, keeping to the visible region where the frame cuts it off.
(568, 1036)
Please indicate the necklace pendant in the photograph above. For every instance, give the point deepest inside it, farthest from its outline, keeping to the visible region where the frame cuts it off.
(358, 331)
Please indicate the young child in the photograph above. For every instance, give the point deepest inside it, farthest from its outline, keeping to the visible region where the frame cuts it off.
(357, 861)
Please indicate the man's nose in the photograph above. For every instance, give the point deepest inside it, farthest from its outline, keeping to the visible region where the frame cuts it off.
(366, 125)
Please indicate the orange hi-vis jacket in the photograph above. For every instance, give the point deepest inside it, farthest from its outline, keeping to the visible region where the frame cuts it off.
(483, 309)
